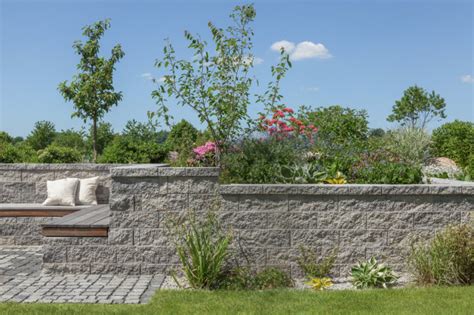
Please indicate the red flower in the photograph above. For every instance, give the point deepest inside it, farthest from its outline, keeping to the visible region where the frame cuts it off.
(288, 110)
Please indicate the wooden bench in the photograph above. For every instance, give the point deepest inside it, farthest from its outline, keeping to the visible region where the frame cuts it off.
(36, 210)
(89, 222)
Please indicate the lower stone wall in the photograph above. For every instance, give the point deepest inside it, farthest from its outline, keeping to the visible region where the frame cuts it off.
(269, 222)
(21, 230)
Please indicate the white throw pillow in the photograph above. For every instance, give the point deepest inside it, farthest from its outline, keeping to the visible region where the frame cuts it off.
(61, 192)
(86, 190)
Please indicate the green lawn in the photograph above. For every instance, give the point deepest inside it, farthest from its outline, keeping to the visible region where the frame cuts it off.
(397, 301)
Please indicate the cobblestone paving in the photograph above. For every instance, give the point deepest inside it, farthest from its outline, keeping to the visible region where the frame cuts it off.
(22, 281)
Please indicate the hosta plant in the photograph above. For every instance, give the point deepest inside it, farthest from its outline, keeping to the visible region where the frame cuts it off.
(320, 284)
(339, 179)
(371, 274)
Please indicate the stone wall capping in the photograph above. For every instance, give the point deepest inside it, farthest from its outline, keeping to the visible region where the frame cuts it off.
(241, 189)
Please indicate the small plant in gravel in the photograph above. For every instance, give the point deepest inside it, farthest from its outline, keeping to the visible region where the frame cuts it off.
(320, 284)
(244, 278)
(371, 274)
(313, 267)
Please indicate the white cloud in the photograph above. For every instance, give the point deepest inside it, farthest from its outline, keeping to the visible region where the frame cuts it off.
(288, 46)
(312, 89)
(302, 50)
(147, 76)
(467, 78)
(308, 50)
(257, 60)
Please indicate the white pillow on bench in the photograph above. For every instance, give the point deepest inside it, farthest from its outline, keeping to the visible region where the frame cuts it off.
(85, 194)
(61, 192)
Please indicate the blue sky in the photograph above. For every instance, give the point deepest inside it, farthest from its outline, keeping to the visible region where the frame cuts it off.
(360, 54)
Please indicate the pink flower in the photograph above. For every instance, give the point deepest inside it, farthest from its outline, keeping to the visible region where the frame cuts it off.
(205, 149)
(279, 113)
(288, 110)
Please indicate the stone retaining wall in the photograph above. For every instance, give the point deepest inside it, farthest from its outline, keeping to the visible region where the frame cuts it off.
(269, 222)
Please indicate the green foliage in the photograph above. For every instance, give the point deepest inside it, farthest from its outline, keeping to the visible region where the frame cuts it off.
(244, 278)
(213, 84)
(202, 247)
(454, 140)
(71, 139)
(57, 154)
(92, 90)
(376, 133)
(272, 278)
(371, 274)
(105, 135)
(17, 153)
(141, 132)
(385, 172)
(125, 149)
(313, 267)
(181, 139)
(417, 108)
(338, 125)
(5, 137)
(259, 161)
(448, 259)
(307, 173)
(42, 135)
(410, 145)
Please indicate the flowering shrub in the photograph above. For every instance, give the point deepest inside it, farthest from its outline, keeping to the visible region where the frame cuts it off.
(204, 155)
(284, 123)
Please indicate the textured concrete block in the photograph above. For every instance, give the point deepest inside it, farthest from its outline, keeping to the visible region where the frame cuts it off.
(291, 220)
(405, 189)
(165, 202)
(362, 238)
(389, 220)
(350, 255)
(142, 219)
(240, 189)
(436, 219)
(204, 202)
(314, 238)
(258, 203)
(362, 203)
(54, 254)
(155, 237)
(158, 255)
(244, 220)
(264, 238)
(10, 176)
(404, 238)
(342, 220)
(121, 236)
(203, 185)
(312, 203)
(122, 203)
(410, 203)
(179, 185)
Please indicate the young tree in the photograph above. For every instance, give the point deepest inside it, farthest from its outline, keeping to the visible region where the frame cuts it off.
(42, 135)
(104, 136)
(417, 108)
(92, 90)
(215, 85)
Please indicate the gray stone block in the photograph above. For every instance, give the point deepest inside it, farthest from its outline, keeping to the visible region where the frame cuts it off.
(264, 238)
(405, 189)
(121, 236)
(363, 203)
(436, 219)
(244, 220)
(165, 202)
(389, 220)
(312, 203)
(314, 238)
(135, 219)
(241, 189)
(257, 203)
(342, 220)
(361, 238)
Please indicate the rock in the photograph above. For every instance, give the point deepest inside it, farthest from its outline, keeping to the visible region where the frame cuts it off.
(441, 167)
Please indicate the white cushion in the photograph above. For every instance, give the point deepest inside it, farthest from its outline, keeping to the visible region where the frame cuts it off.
(61, 192)
(86, 190)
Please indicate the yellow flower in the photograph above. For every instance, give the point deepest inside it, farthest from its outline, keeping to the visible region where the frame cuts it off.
(319, 284)
(339, 179)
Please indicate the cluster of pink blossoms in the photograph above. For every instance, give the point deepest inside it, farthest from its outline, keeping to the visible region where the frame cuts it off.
(208, 147)
(283, 124)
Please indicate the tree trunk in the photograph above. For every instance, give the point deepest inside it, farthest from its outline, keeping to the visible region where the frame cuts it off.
(94, 140)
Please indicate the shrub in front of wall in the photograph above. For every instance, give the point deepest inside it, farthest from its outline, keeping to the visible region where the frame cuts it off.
(57, 154)
(447, 259)
(202, 247)
(244, 278)
(383, 172)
